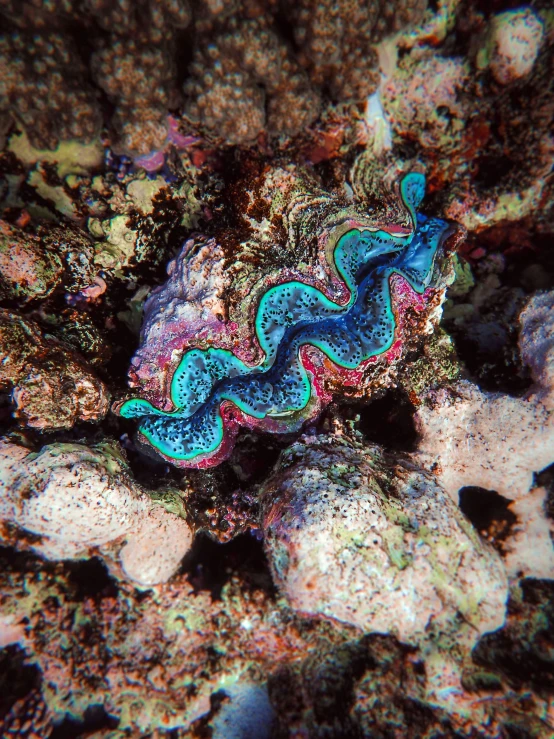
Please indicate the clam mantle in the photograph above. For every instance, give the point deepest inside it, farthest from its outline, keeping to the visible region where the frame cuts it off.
(303, 331)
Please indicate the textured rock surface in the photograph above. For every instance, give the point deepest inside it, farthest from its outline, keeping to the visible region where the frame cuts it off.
(51, 386)
(27, 270)
(244, 80)
(69, 500)
(337, 40)
(242, 131)
(469, 437)
(64, 108)
(377, 544)
(515, 39)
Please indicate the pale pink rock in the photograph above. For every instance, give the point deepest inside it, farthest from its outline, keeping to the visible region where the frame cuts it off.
(75, 501)
(515, 38)
(497, 442)
(375, 542)
(529, 551)
(12, 630)
(151, 554)
(490, 440)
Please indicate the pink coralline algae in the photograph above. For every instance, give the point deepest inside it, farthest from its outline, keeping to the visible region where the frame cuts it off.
(335, 322)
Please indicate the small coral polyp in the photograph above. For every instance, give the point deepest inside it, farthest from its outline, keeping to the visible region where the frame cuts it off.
(214, 392)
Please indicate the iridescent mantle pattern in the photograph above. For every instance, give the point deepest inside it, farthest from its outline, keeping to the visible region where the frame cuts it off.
(213, 391)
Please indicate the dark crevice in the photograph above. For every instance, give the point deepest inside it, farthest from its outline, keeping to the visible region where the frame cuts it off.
(210, 565)
(90, 579)
(94, 719)
(17, 677)
(522, 651)
(509, 262)
(493, 170)
(545, 479)
(489, 512)
(387, 421)
(255, 454)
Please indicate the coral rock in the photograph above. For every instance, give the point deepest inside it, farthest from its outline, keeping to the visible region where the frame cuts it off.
(497, 442)
(51, 386)
(424, 100)
(362, 538)
(246, 712)
(71, 499)
(515, 39)
(27, 270)
(536, 344)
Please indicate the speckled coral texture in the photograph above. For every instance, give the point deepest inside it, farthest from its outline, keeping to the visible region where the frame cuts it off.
(72, 500)
(386, 551)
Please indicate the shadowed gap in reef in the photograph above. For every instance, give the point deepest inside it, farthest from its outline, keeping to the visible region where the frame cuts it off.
(489, 512)
(387, 421)
(209, 566)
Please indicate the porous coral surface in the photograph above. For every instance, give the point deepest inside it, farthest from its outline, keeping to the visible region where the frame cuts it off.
(276, 363)
(72, 499)
(342, 546)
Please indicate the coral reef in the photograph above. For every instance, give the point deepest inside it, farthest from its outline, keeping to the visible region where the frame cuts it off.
(337, 40)
(292, 319)
(158, 662)
(244, 80)
(138, 79)
(460, 441)
(490, 162)
(69, 500)
(340, 546)
(43, 85)
(51, 386)
(305, 250)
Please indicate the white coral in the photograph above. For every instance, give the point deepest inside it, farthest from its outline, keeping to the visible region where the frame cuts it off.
(498, 442)
(515, 38)
(74, 499)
